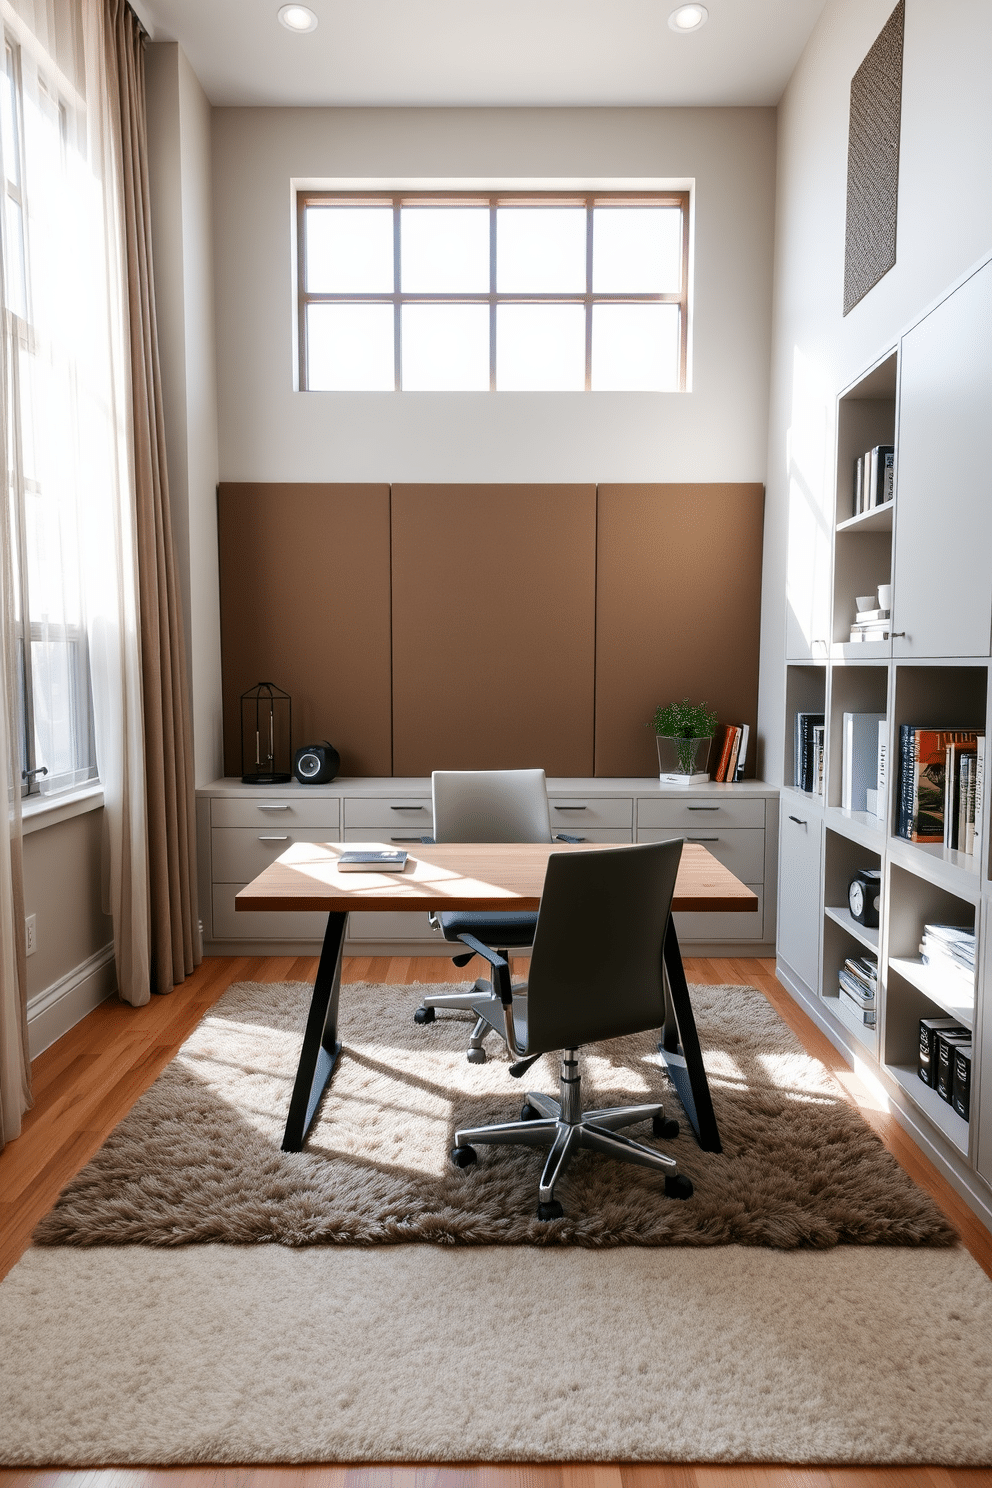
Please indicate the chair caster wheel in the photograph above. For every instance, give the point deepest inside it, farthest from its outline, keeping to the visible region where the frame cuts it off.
(665, 1127)
(529, 1112)
(424, 1015)
(678, 1187)
(464, 1157)
(550, 1211)
(477, 1056)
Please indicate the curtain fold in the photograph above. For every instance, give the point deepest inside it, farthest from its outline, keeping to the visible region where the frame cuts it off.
(15, 1067)
(175, 947)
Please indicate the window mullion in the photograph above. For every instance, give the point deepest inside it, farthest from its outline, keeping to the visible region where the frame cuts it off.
(589, 221)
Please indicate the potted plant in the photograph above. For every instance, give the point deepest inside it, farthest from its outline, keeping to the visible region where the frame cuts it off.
(684, 733)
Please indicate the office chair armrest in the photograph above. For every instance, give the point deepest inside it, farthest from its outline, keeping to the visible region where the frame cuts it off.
(564, 837)
(499, 964)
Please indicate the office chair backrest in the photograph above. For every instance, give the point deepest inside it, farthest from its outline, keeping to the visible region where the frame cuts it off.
(490, 806)
(596, 969)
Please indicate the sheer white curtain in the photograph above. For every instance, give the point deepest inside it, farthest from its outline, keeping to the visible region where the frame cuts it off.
(73, 446)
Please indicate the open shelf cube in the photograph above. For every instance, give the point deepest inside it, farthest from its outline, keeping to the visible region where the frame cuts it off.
(805, 692)
(843, 936)
(866, 416)
(853, 689)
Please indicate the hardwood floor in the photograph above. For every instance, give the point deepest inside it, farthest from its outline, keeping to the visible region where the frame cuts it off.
(88, 1081)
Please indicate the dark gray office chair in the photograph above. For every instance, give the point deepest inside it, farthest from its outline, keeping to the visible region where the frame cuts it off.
(596, 972)
(485, 806)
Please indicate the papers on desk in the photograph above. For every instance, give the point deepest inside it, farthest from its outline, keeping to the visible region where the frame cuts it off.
(372, 860)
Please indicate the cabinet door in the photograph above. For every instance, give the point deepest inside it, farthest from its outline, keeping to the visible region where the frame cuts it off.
(799, 891)
(807, 608)
(942, 584)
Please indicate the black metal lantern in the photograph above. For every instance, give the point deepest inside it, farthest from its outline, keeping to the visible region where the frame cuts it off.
(266, 735)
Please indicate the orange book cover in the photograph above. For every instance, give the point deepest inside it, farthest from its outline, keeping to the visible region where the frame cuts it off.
(724, 745)
(927, 822)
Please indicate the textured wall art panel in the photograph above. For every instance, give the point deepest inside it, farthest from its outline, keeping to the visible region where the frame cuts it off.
(873, 162)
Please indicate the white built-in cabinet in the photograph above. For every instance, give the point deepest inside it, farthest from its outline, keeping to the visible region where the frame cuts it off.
(930, 395)
(241, 829)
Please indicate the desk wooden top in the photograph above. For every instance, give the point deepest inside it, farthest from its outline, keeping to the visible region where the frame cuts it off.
(474, 875)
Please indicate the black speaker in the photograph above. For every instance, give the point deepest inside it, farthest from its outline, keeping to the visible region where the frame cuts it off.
(316, 764)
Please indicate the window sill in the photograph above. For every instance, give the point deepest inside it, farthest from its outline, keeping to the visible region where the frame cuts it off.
(46, 811)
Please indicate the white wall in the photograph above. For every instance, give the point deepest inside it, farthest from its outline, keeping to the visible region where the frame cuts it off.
(179, 128)
(269, 432)
(944, 227)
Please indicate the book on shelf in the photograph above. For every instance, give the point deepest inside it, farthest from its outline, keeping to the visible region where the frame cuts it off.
(930, 1032)
(956, 761)
(724, 743)
(819, 755)
(961, 1087)
(876, 797)
(373, 860)
(873, 478)
(948, 1044)
(922, 770)
(805, 758)
(742, 751)
(859, 759)
(734, 751)
(979, 788)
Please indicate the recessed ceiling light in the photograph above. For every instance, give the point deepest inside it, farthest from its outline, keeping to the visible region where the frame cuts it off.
(688, 18)
(299, 18)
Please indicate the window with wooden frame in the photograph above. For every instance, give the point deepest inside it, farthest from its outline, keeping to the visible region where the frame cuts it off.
(508, 292)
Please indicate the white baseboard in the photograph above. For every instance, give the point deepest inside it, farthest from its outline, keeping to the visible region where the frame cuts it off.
(58, 1008)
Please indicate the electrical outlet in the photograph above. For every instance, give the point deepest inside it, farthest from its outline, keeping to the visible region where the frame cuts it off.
(31, 935)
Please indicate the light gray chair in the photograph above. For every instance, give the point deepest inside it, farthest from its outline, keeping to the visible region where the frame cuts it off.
(485, 806)
(596, 972)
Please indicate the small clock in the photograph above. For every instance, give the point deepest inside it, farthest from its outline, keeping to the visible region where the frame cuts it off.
(863, 895)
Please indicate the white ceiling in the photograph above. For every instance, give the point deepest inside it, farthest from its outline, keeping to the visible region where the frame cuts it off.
(423, 53)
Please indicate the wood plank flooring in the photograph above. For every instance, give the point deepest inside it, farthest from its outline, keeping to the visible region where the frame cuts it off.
(88, 1081)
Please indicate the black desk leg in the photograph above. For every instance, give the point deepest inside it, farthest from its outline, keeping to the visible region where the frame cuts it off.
(680, 1049)
(320, 1041)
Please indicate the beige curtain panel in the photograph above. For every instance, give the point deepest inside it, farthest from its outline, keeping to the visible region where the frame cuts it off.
(175, 937)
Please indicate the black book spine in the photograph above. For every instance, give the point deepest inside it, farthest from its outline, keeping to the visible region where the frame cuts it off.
(961, 1087)
(906, 741)
(928, 1043)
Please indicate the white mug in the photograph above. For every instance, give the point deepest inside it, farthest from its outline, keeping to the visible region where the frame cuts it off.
(884, 596)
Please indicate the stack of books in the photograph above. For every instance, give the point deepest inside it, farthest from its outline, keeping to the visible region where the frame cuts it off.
(922, 801)
(945, 1061)
(964, 788)
(806, 770)
(871, 625)
(873, 476)
(858, 979)
(950, 949)
(731, 751)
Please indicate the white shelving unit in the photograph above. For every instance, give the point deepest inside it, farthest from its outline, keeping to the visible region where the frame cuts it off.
(929, 396)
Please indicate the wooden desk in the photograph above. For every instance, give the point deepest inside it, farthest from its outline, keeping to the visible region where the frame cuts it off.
(481, 877)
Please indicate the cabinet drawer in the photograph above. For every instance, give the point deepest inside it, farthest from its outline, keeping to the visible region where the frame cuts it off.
(276, 811)
(275, 924)
(394, 834)
(408, 814)
(238, 854)
(595, 834)
(746, 926)
(397, 925)
(697, 814)
(741, 849)
(575, 813)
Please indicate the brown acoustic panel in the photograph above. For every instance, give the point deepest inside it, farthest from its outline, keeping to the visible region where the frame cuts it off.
(493, 627)
(304, 599)
(677, 611)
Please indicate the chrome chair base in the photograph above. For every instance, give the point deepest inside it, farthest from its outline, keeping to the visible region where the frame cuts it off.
(481, 1000)
(565, 1127)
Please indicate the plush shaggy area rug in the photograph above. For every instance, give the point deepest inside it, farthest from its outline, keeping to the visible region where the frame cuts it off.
(198, 1158)
(425, 1353)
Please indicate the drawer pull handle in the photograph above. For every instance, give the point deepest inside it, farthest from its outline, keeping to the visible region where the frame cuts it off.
(571, 808)
(702, 839)
(274, 807)
(408, 808)
(893, 633)
(800, 821)
(269, 838)
(406, 839)
(702, 808)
